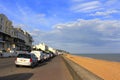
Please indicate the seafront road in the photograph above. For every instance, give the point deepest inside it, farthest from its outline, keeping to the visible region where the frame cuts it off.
(54, 69)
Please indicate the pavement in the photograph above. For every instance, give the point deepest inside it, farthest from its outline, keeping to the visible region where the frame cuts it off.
(54, 69)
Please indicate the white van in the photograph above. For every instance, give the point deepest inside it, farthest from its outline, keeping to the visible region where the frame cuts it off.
(39, 55)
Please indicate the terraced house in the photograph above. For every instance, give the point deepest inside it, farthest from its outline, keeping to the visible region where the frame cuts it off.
(13, 38)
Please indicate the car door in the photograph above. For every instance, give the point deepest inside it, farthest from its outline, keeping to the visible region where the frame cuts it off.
(34, 58)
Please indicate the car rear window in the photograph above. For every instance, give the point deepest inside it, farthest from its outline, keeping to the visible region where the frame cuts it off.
(24, 56)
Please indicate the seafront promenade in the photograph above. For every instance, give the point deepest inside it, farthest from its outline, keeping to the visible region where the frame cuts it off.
(54, 69)
(65, 67)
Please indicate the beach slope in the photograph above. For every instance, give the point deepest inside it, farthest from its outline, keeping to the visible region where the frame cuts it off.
(107, 70)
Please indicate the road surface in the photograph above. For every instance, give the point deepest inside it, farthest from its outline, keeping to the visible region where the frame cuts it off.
(53, 69)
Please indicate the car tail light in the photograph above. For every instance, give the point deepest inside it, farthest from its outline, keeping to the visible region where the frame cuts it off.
(30, 60)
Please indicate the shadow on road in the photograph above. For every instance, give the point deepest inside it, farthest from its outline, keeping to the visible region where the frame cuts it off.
(44, 63)
(20, 76)
(41, 64)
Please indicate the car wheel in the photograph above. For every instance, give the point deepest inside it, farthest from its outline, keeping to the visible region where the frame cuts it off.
(17, 66)
(32, 66)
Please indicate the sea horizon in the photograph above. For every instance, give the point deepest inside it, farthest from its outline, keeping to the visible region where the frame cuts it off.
(108, 56)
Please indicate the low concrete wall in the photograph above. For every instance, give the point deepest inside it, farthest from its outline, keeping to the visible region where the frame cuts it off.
(78, 72)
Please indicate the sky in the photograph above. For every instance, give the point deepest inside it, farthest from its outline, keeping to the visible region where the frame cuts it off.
(77, 26)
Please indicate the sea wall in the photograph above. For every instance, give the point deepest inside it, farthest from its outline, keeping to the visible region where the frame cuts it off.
(78, 72)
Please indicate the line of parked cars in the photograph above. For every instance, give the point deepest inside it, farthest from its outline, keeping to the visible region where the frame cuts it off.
(32, 59)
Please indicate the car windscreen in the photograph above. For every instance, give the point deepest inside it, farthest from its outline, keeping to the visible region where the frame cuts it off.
(24, 56)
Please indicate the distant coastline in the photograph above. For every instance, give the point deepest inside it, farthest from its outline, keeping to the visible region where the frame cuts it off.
(109, 57)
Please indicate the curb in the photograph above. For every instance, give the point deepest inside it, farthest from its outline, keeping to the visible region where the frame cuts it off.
(78, 72)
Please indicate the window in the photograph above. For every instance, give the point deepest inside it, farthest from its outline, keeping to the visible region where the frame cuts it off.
(24, 56)
(0, 27)
(1, 20)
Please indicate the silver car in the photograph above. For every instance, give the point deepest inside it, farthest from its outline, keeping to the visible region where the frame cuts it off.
(26, 60)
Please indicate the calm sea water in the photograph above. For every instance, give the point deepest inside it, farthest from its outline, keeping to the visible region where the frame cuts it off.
(110, 57)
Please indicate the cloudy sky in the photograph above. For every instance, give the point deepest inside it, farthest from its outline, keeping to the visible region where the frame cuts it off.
(77, 26)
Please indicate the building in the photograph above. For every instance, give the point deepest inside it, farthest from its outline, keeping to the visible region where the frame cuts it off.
(41, 46)
(22, 40)
(19, 39)
(52, 50)
(44, 47)
(6, 33)
(28, 41)
(13, 38)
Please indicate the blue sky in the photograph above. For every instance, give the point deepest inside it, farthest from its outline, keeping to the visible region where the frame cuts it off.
(77, 26)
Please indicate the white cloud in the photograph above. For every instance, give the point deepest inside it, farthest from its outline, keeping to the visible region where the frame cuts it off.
(89, 35)
(86, 6)
(22, 26)
(112, 39)
(111, 2)
(30, 16)
(25, 15)
(23, 12)
(105, 13)
(81, 35)
(105, 9)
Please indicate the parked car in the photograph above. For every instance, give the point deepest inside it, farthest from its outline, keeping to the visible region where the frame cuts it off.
(26, 60)
(39, 55)
(48, 56)
(45, 56)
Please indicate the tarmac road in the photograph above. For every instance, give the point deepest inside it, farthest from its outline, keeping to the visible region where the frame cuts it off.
(54, 69)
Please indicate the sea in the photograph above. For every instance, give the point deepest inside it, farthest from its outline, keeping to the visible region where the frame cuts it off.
(109, 57)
